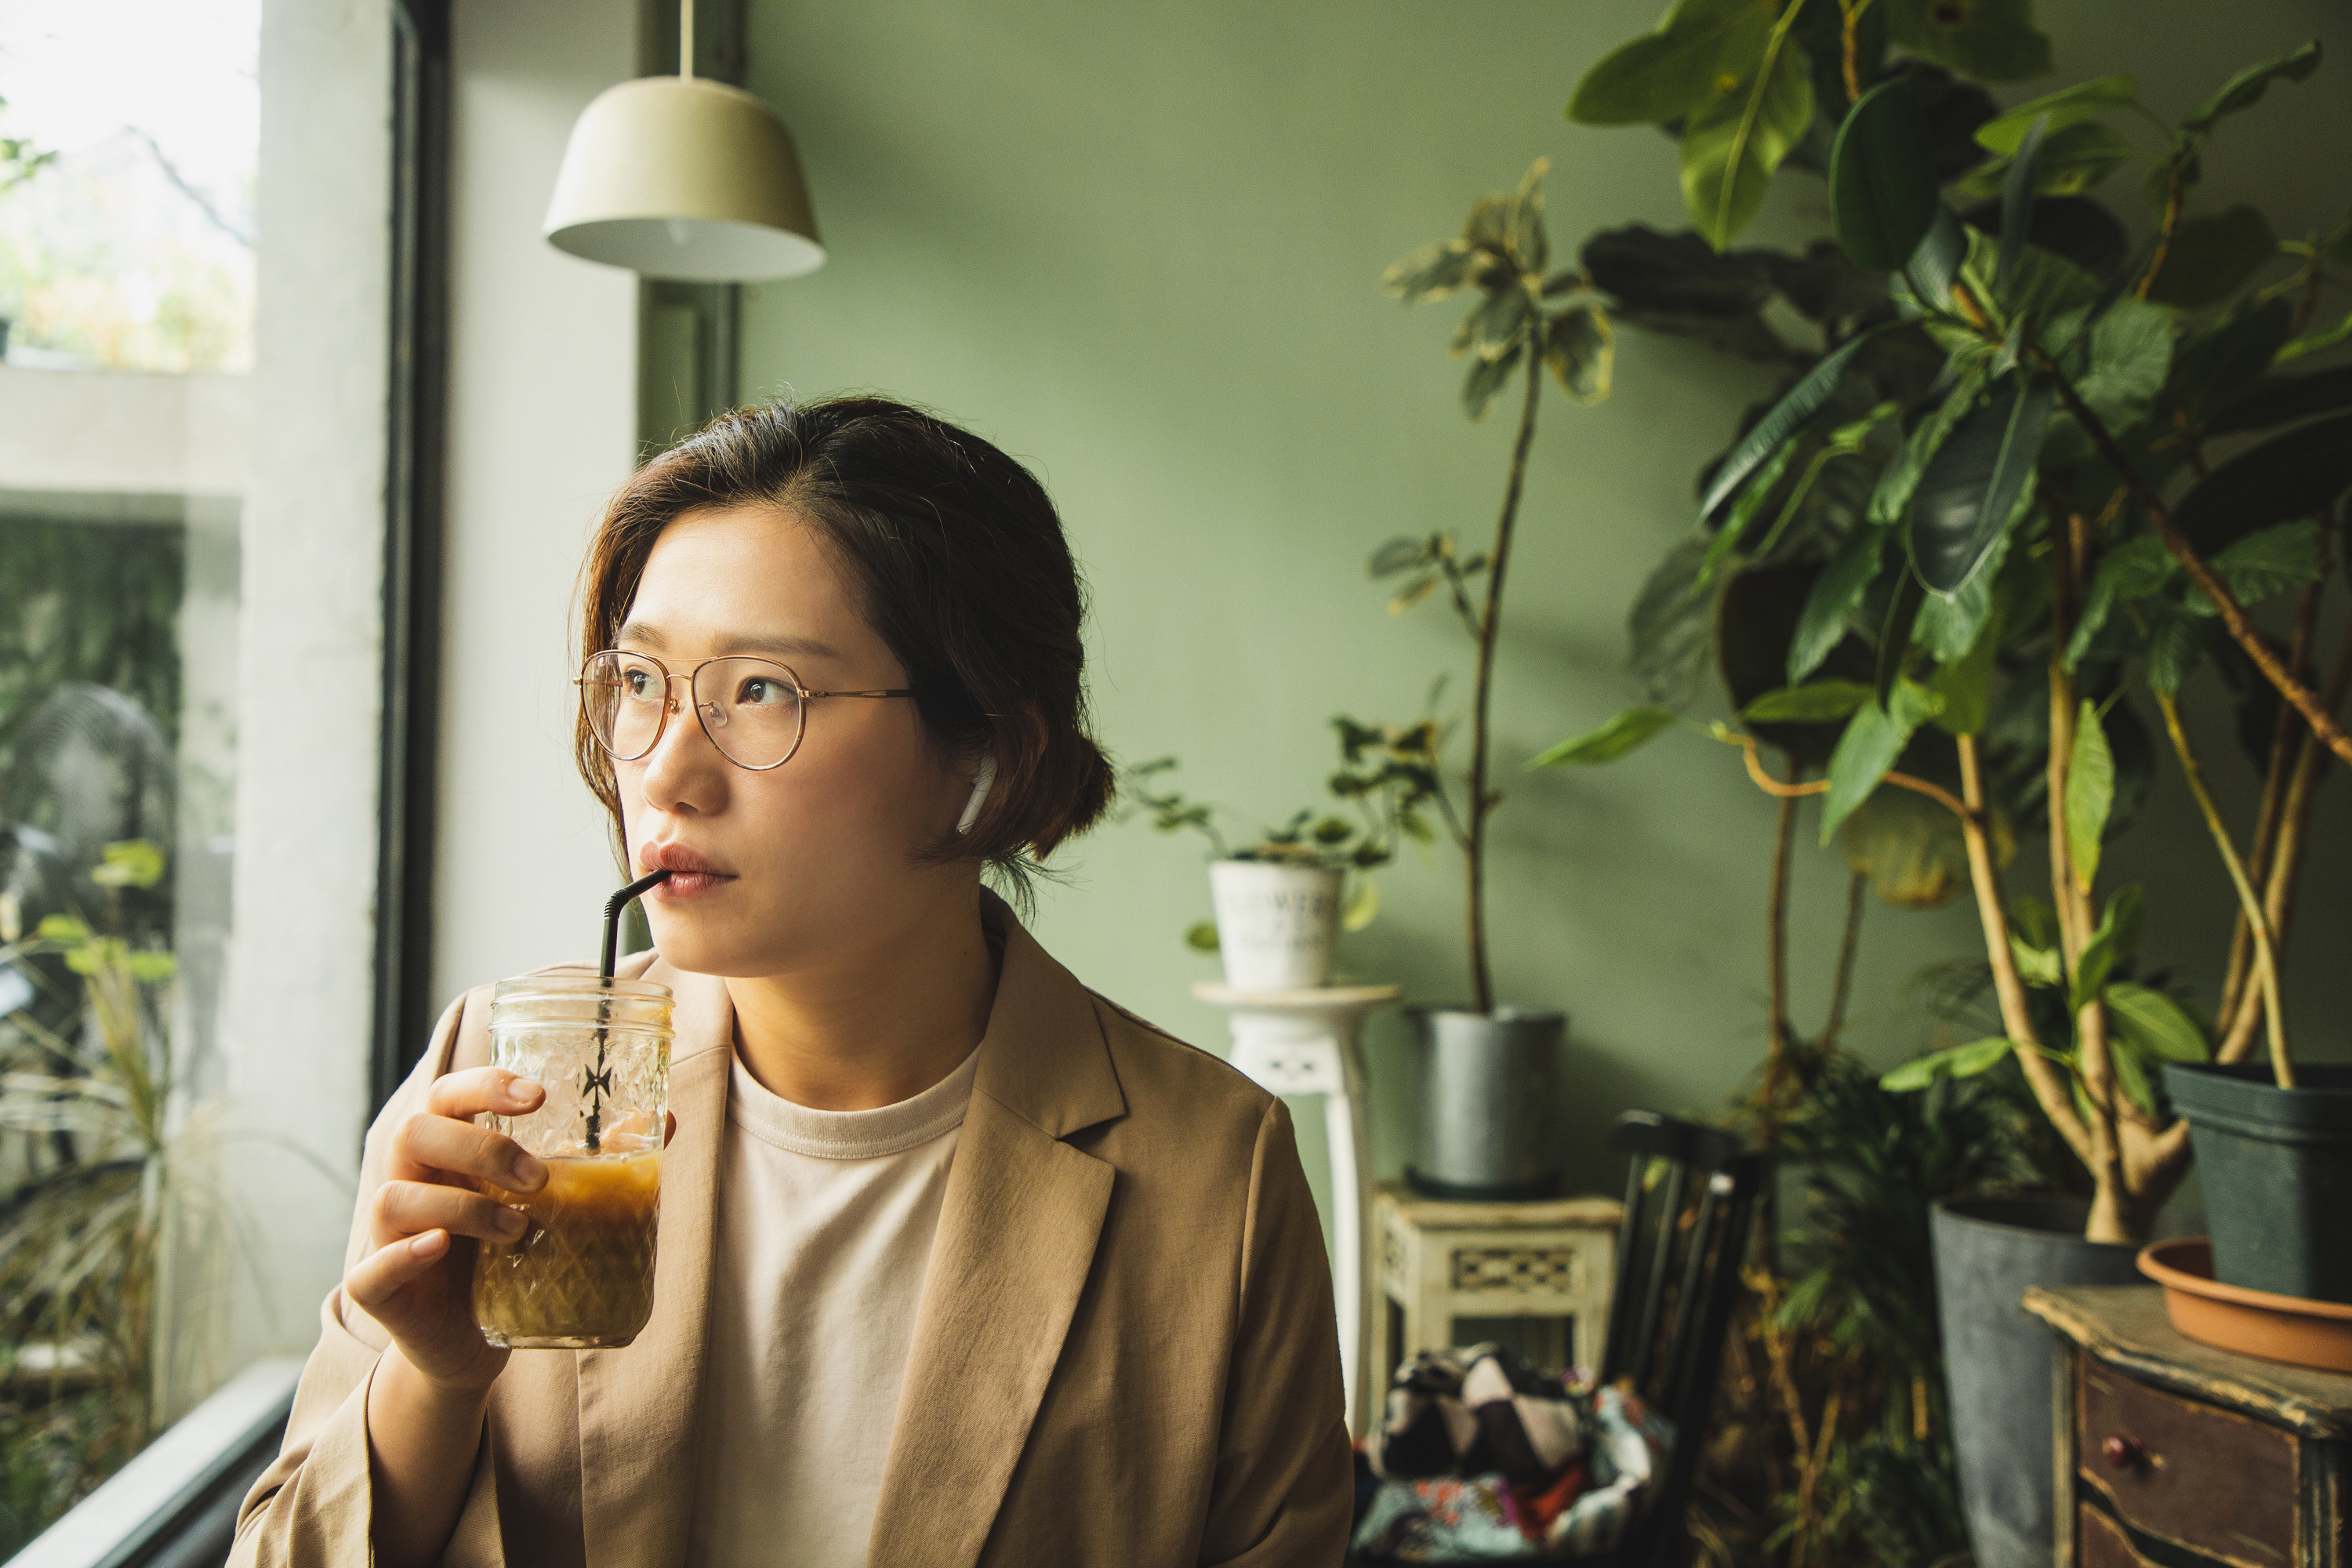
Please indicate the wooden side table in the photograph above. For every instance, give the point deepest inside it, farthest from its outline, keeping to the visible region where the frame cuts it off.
(2170, 1452)
(1553, 1262)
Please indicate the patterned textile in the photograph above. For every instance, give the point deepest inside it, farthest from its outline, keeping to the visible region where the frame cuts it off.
(1480, 1458)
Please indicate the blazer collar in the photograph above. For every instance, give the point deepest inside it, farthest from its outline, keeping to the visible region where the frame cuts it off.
(1016, 1237)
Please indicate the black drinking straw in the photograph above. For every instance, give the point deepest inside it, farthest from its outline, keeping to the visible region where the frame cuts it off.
(600, 1078)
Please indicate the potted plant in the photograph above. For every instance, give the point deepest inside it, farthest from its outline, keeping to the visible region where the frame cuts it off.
(1977, 532)
(1483, 1109)
(1281, 899)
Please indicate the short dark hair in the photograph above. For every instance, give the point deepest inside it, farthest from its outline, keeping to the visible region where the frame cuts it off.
(959, 558)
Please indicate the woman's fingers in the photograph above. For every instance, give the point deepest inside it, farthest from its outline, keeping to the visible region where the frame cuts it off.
(480, 1091)
(415, 1208)
(427, 1145)
(377, 1277)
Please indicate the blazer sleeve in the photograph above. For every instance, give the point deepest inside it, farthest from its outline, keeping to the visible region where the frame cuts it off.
(1284, 1489)
(312, 1507)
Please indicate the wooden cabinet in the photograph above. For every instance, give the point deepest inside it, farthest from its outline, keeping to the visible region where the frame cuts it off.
(2174, 1454)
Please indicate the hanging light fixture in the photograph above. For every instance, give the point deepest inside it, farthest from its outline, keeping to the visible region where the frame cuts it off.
(683, 177)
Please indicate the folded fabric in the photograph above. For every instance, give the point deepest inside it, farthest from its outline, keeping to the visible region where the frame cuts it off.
(1480, 1459)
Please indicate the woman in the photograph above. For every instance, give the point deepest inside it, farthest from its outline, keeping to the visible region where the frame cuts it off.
(959, 1263)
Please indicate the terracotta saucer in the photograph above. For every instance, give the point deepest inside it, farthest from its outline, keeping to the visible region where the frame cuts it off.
(2252, 1323)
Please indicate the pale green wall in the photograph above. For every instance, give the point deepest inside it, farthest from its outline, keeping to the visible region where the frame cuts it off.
(1140, 247)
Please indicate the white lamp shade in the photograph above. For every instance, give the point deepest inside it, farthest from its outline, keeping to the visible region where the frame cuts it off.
(680, 177)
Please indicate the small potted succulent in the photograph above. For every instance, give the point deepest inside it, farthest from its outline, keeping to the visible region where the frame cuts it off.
(1282, 897)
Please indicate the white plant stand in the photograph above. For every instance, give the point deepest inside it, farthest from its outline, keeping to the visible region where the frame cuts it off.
(1305, 1043)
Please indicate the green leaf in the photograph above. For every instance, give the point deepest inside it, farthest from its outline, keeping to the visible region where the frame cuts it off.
(1751, 500)
(1883, 178)
(2264, 564)
(1672, 625)
(1201, 936)
(2129, 572)
(1399, 554)
(1874, 737)
(2218, 364)
(1966, 683)
(2175, 643)
(2068, 107)
(1892, 497)
(1992, 40)
(1628, 732)
(1910, 846)
(1955, 1061)
(2296, 473)
(2245, 89)
(1767, 434)
(2131, 354)
(1949, 626)
(2311, 343)
(2090, 794)
(2211, 256)
(1821, 625)
(1363, 905)
(1975, 485)
(1732, 142)
(1498, 324)
(2283, 399)
(150, 968)
(2034, 920)
(2132, 1078)
(1821, 702)
(1579, 350)
(1935, 265)
(2071, 161)
(1431, 272)
(2036, 966)
(2017, 205)
(131, 863)
(61, 928)
(2115, 940)
(1488, 377)
(2154, 1023)
(1664, 75)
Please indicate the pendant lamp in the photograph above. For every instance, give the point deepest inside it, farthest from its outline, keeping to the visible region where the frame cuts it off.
(683, 177)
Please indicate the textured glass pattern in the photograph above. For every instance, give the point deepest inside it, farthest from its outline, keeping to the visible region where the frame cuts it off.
(582, 1274)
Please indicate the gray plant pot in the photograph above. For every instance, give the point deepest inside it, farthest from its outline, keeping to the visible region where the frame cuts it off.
(1482, 1111)
(1998, 1356)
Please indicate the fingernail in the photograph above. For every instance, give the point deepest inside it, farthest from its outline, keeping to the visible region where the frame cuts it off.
(519, 1092)
(512, 1221)
(430, 1244)
(529, 1175)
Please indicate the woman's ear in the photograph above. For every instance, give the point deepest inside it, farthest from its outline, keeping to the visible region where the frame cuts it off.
(981, 783)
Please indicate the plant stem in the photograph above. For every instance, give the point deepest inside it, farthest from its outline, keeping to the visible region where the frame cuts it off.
(2233, 615)
(2069, 892)
(1849, 944)
(2265, 964)
(1482, 979)
(1776, 938)
(2164, 235)
(2276, 772)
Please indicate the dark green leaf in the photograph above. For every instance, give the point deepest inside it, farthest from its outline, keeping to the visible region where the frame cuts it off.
(1951, 625)
(1892, 497)
(1398, 555)
(1628, 732)
(2267, 562)
(1751, 500)
(2071, 162)
(2311, 343)
(1874, 737)
(1529, 244)
(1835, 593)
(2223, 361)
(2283, 399)
(2245, 89)
(2296, 473)
(1672, 625)
(1992, 40)
(1498, 324)
(2155, 1023)
(2174, 643)
(2069, 106)
(1732, 141)
(1894, 639)
(1935, 265)
(1769, 434)
(1882, 181)
(2131, 353)
(2090, 792)
(2034, 920)
(2131, 1078)
(2129, 572)
(2211, 256)
(1965, 683)
(1430, 273)
(1974, 485)
(1957, 1061)
(1664, 75)
(1910, 846)
(1488, 377)
(2016, 204)
(1821, 702)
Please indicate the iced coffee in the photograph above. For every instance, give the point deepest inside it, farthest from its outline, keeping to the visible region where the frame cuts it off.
(581, 1274)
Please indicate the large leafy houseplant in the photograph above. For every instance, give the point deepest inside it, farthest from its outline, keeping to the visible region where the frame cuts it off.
(1525, 319)
(2034, 541)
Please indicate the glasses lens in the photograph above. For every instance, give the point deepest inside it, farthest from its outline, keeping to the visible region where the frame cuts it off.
(624, 694)
(751, 707)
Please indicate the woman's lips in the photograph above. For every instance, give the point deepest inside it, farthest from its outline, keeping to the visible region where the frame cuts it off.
(690, 875)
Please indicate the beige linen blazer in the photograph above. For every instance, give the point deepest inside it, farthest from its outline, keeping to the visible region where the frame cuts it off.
(1125, 1352)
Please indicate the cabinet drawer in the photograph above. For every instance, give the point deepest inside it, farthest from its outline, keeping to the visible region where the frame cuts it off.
(2207, 1479)
(2100, 1543)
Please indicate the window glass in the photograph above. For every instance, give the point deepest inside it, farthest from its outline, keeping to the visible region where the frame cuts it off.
(128, 144)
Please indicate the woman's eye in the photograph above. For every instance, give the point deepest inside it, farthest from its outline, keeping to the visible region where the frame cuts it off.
(759, 690)
(636, 682)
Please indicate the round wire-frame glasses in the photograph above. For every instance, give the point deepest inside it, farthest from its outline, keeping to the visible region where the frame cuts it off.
(755, 710)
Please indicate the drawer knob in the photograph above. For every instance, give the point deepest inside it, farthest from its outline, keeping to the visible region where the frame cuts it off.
(2123, 1453)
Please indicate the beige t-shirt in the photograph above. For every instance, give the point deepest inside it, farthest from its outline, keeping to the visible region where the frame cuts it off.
(825, 1221)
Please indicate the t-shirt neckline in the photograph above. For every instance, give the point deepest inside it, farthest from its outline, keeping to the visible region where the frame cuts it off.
(849, 1134)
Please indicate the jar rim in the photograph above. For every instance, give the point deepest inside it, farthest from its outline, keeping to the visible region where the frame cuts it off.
(573, 987)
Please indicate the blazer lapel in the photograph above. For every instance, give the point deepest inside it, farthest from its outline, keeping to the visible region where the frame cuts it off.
(1016, 1239)
(639, 1405)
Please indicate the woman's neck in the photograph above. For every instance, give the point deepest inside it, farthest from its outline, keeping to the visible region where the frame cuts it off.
(877, 1026)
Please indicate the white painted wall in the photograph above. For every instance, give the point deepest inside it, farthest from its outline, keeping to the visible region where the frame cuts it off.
(297, 1035)
(543, 426)
(123, 432)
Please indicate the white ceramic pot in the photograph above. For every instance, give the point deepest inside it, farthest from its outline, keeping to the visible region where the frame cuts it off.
(1276, 924)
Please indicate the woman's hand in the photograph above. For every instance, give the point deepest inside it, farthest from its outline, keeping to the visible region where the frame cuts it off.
(418, 1276)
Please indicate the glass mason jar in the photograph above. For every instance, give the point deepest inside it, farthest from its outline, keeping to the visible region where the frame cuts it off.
(582, 1274)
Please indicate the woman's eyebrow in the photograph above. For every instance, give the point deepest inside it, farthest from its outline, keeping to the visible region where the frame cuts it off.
(649, 636)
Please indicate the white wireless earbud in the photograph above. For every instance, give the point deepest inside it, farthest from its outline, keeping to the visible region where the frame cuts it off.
(980, 787)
